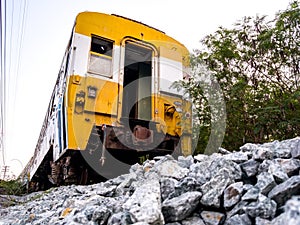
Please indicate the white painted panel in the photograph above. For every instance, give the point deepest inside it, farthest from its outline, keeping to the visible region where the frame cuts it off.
(81, 58)
(116, 63)
(169, 71)
(41, 152)
(82, 45)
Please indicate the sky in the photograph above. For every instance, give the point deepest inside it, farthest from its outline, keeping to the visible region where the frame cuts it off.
(38, 33)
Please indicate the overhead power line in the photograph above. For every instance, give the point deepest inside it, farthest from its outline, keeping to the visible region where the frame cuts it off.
(12, 26)
(3, 6)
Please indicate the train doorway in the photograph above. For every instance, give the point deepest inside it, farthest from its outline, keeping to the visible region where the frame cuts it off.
(137, 82)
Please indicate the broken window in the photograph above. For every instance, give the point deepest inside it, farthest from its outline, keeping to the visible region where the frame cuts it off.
(100, 61)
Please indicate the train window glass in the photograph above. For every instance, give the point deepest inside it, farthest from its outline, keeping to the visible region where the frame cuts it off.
(101, 46)
(100, 61)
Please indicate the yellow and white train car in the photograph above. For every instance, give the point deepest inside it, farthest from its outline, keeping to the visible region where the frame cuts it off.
(113, 104)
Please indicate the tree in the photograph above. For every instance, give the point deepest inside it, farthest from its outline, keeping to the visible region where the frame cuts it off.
(257, 66)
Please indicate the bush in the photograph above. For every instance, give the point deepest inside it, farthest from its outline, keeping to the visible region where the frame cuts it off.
(12, 187)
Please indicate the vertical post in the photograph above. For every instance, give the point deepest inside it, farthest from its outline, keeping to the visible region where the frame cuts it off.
(102, 159)
(5, 170)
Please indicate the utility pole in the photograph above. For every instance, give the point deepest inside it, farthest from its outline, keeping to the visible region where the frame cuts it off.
(5, 170)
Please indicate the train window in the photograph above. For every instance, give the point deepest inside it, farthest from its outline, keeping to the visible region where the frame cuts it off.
(100, 62)
(101, 46)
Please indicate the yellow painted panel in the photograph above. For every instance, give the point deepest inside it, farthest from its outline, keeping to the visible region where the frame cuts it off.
(105, 119)
(79, 123)
(83, 111)
(117, 28)
(79, 129)
(106, 97)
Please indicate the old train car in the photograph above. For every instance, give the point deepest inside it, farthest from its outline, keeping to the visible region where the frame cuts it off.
(113, 104)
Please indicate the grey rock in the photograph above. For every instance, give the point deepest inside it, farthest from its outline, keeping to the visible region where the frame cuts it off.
(123, 180)
(290, 166)
(295, 151)
(170, 168)
(264, 166)
(237, 157)
(140, 223)
(237, 209)
(151, 174)
(124, 183)
(106, 190)
(166, 191)
(193, 220)
(100, 215)
(281, 149)
(282, 153)
(292, 211)
(213, 189)
(279, 220)
(249, 147)
(164, 158)
(223, 151)
(247, 187)
(167, 187)
(263, 207)
(80, 218)
(201, 158)
(137, 169)
(219, 163)
(251, 194)
(261, 221)
(180, 207)
(238, 220)
(200, 172)
(265, 182)
(215, 156)
(145, 204)
(148, 164)
(185, 162)
(120, 218)
(212, 218)
(277, 171)
(232, 194)
(262, 153)
(250, 167)
(43, 218)
(186, 185)
(284, 191)
(293, 145)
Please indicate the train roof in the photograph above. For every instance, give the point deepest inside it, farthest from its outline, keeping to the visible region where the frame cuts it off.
(116, 27)
(138, 22)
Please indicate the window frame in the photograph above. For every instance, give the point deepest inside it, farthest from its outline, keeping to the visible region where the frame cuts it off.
(93, 55)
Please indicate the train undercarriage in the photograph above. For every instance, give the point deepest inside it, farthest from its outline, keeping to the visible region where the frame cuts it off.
(110, 152)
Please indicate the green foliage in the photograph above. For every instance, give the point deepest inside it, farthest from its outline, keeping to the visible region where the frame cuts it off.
(257, 65)
(12, 187)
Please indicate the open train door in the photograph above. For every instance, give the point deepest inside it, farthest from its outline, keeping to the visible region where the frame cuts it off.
(137, 82)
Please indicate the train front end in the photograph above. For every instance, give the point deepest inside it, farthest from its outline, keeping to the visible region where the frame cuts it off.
(114, 104)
